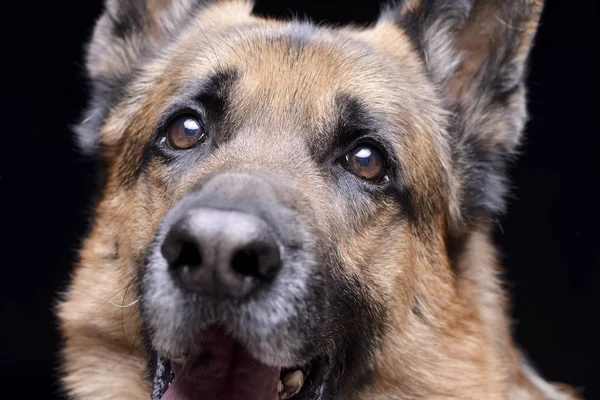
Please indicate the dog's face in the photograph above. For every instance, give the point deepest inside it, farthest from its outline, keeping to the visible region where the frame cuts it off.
(298, 219)
(288, 197)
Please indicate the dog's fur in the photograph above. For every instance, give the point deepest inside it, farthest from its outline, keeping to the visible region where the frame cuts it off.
(413, 303)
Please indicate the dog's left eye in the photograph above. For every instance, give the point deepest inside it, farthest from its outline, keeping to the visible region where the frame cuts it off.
(367, 162)
(184, 132)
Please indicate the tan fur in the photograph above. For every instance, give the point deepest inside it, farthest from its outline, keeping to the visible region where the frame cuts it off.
(449, 336)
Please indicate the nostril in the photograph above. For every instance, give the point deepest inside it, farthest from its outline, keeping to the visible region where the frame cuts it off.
(259, 261)
(189, 255)
(246, 262)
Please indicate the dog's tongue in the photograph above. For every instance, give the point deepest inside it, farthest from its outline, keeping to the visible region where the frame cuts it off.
(218, 368)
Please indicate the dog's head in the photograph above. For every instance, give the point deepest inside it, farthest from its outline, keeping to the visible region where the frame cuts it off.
(291, 197)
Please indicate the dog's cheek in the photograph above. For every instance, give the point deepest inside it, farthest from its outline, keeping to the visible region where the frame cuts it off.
(376, 246)
(357, 326)
(369, 268)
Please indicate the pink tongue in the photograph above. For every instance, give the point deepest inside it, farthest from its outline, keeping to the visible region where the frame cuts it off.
(218, 368)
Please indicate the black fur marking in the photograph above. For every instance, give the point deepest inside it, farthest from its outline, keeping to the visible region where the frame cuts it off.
(484, 168)
(359, 322)
(455, 244)
(215, 97)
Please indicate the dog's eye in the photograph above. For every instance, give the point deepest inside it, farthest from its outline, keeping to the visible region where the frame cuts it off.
(184, 132)
(367, 162)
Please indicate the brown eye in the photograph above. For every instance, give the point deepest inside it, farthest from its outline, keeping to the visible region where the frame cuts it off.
(367, 162)
(184, 132)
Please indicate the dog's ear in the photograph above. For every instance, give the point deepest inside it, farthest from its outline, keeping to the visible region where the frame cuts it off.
(126, 32)
(476, 52)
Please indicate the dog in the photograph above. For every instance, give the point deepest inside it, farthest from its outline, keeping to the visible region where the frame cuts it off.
(297, 211)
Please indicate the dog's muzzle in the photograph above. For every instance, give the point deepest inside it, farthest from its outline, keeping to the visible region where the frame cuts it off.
(221, 252)
(233, 296)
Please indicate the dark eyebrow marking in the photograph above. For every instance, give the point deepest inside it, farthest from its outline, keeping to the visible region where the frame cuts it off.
(212, 94)
(219, 83)
(352, 118)
(355, 121)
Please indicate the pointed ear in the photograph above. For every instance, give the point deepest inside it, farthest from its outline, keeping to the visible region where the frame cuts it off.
(127, 28)
(127, 31)
(476, 52)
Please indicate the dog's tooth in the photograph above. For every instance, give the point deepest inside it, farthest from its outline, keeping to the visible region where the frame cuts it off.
(279, 386)
(293, 379)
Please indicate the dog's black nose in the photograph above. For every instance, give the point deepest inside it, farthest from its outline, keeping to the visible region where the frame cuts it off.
(221, 252)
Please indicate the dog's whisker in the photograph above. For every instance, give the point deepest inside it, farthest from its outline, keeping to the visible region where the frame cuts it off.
(123, 320)
(126, 305)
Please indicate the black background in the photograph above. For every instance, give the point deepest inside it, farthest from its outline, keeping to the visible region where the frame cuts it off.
(549, 237)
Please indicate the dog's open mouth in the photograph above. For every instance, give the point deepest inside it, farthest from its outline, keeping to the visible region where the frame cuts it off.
(219, 368)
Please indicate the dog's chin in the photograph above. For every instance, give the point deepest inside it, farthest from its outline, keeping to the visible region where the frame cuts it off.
(218, 366)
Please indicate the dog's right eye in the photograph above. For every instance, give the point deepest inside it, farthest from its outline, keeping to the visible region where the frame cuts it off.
(184, 132)
(367, 162)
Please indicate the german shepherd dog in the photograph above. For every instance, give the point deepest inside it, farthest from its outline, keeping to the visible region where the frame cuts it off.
(297, 211)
